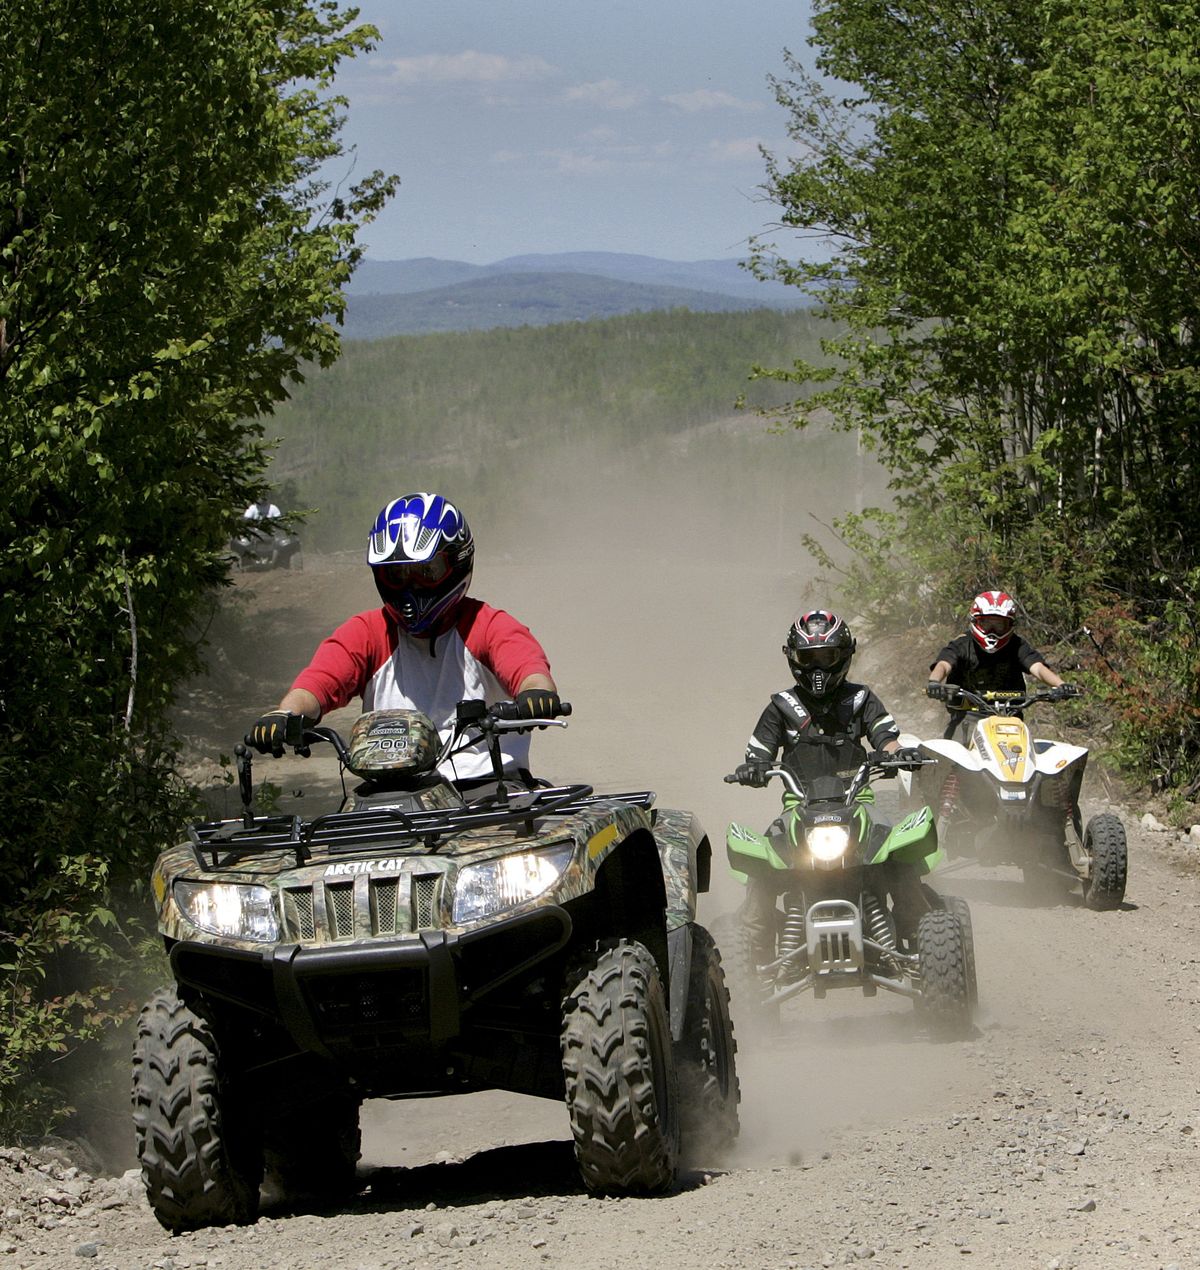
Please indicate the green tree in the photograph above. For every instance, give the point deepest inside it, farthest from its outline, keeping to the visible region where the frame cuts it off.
(1008, 190)
(169, 255)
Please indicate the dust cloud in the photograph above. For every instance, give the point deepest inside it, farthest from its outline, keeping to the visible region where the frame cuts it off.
(661, 583)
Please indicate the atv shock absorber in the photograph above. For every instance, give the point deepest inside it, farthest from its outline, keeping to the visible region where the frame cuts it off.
(880, 927)
(792, 936)
(949, 799)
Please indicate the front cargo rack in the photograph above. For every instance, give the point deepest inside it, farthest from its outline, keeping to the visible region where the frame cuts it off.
(384, 829)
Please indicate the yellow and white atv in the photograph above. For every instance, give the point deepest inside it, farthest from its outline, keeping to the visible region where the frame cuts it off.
(1007, 797)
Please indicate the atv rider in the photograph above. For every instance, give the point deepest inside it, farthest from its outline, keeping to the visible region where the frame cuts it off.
(429, 646)
(262, 509)
(820, 726)
(988, 657)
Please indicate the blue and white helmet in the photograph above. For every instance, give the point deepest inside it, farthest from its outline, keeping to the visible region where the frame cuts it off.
(422, 555)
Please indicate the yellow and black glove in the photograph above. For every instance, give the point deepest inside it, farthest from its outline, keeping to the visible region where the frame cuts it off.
(538, 703)
(274, 730)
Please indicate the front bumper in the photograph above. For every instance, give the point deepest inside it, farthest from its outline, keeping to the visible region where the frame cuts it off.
(347, 1001)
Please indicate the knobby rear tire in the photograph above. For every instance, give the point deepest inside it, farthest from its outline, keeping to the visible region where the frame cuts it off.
(1104, 840)
(959, 907)
(199, 1152)
(945, 991)
(621, 1085)
(705, 1057)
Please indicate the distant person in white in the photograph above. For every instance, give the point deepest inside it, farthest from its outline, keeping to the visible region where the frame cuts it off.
(264, 509)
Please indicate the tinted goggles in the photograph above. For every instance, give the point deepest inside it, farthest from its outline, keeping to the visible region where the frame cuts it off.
(816, 658)
(992, 624)
(398, 579)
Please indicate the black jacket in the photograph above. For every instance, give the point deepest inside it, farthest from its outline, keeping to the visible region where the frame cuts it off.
(977, 671)
(826, 739)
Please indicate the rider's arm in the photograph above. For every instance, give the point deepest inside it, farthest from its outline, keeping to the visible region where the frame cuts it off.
(1039, 670)
(505, 646)
(543, 682)
(1033, 663)
(301, 701)
(343, 663)
(939, 671)
(767, 737)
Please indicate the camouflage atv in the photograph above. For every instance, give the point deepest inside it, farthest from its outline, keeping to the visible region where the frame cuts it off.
(413, 943)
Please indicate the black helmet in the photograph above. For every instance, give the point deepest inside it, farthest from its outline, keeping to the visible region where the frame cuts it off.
(819, 648)
(422, 553)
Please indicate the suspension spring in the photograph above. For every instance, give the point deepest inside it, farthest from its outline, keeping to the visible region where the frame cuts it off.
(949, 799)
(793, 935)
(880, 928)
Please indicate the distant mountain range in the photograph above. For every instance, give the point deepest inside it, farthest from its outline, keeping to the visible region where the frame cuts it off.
(396, 297)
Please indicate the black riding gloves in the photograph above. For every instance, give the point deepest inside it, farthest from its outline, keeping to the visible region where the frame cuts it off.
(1065, 692)
(538, 703)
(936, 690)
(910, 755)
(274, 730)
(754, 774)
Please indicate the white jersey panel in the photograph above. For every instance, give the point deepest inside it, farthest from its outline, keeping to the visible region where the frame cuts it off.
(411, 679)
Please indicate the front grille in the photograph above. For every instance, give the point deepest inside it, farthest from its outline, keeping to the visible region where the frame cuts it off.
(383, 904)
(339, 898)
(835, 951)
(298, 913)
(338, 910)
(424, 900)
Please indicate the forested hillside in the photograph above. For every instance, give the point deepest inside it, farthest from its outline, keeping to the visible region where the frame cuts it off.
(471, 412)
(526, 298)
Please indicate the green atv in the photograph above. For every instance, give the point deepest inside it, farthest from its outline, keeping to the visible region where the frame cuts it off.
(413, 943)
(836, 864)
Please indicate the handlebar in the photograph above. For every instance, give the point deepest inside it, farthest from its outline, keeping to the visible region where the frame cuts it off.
(1004, 703)
(877, 764)
(501, 716)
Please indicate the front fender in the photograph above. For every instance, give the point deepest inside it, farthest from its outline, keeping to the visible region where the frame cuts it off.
(750, 852)
(686, 856)
(913, 841)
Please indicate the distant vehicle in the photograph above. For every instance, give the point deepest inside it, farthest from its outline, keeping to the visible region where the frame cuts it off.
(1011, 798)
(265, 545)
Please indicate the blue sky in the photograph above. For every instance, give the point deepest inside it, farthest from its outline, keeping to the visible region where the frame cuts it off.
(571, 125)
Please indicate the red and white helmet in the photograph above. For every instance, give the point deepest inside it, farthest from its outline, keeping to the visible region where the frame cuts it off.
(993, 614)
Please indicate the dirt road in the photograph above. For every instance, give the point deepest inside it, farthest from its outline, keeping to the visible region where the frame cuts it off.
(1063, 1133)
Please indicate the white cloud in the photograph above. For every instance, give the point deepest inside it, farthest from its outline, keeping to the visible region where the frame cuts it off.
(606, 94)
(735, 150)
(709, 99)
(468, 67)
(585, 159)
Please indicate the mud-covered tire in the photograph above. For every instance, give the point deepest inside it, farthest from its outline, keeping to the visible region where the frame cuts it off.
(1104, 840)
(945, 994)
(313, 1153)
(200, 1156)
(705, 1058)
(962, 910)
(621, 1085)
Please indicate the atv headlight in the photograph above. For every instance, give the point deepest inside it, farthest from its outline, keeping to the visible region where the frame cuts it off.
(222, 908)
(827, 842)
(494, 885)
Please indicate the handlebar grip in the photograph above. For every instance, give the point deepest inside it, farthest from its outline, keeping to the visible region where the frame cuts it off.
(564, 709)
(731, 780)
